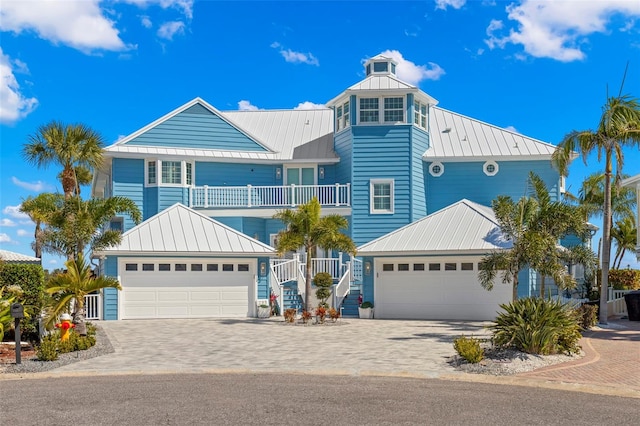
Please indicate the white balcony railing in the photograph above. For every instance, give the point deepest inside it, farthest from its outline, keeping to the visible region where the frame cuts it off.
(268, 196)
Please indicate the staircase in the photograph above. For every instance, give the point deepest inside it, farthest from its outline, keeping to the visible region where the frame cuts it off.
(350, 303)
(290, 297)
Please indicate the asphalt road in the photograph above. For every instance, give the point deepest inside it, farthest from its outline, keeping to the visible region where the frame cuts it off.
(241, 399)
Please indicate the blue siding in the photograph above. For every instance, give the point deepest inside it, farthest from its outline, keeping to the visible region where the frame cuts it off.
(380, 152)
(343, 146)
(329, 174)
(233, 174)
(151, 202)
(197, 127)
(169, 195)
(231, 222)
(128, 181)
(273, 226)
(110, 295)
(467, 180)
(419, 144)
(254, 227)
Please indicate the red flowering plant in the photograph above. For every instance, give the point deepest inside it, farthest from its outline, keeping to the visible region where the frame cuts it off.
(321, 313)
(306, 316)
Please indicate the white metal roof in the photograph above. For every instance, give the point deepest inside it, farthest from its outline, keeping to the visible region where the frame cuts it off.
(282, 131)
(456, 137)
(461, 227)
(12, 257)
(279, 131)
(631, 181)
(180, 230)
(384, 83)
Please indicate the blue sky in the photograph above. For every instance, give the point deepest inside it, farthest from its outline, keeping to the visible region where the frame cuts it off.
(541, 68)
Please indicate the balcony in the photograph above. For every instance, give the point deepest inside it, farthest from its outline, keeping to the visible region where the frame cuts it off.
(268, 196)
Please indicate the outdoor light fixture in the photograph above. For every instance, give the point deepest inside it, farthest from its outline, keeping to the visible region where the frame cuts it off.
(278, 173)
(367, 268)
(321, 172)
(263, 269)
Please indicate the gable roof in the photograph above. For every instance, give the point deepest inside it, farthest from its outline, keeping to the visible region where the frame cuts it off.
(277, 133)
(180, 230)
(456, 137)
(461, 227)
(12, 257)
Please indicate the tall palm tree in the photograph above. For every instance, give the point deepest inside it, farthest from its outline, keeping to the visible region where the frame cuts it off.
(74, 285)
(76, 148)
(619, 127)
(625, 235)
(591, 198)
(39, 209)
(305, 228)
(79, 224)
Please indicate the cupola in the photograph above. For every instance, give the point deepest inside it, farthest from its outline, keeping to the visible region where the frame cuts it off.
(380, 65)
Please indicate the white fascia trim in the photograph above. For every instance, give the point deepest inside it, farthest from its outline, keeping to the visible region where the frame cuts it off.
(181, 255)
(482, 159)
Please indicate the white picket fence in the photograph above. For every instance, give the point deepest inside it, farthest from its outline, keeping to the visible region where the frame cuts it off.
(93, 306)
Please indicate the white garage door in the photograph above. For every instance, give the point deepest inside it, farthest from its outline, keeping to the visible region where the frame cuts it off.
(186, 288)
(433, 288)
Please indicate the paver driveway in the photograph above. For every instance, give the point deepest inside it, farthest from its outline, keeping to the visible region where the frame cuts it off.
(352, 346)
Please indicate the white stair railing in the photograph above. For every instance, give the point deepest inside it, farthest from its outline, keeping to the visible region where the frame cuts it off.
(341, 289)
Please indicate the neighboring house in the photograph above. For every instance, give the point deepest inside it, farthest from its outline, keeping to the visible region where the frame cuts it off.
(381, 154)
(634, 182)
(11, 257)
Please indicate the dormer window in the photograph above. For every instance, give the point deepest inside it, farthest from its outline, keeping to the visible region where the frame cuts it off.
(380, 65)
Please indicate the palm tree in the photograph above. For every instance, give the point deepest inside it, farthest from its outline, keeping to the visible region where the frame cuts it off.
(305, 228)
(74, 285)
(591, 198)
(39, 209)
(625, 234)
(619, 127)
(534, 225)
(79, 224)
(77, 148)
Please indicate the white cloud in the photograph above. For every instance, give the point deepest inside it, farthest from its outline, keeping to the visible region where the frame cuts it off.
(556, 29)
(79, 24)
(295, 57)
(53, 262)
(4, 238)
(185, 6)
(14, 212)
(146, 21)
(511, 129)
(456, 4)
(37, 186)
(412, 73)
(170, 29)
(309, 105)
(7, 222)
(13, 104)
(22, 233)
(247, 106)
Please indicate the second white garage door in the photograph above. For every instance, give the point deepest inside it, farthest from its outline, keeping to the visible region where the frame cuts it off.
(186, 288)
(433, 288)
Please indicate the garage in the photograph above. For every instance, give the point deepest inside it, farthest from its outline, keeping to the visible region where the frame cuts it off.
(187, 288)
(183, 264)
(434, 288)
(429, 268)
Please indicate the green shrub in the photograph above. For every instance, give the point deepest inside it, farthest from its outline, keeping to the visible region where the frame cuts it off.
(624, 279)
(537, 326)
(324, 281)
(30, 278)
(76, 343)
(48, 348)
(366, 305)
(469, 349)
(587, 316)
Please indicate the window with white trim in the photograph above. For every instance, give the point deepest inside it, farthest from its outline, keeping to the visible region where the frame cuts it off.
(171, 173)
(394, 110)
(381, 193)
(420, 114)
(369, 110)
(342, 116)
(490, 168)
(436, 169)
(381, 110)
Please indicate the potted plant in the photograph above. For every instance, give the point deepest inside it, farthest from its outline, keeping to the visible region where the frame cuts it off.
(264, 311)
(365, 310)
